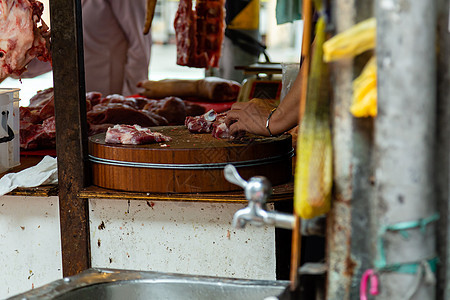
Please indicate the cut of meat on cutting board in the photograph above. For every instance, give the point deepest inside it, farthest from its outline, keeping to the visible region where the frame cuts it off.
(190, 163)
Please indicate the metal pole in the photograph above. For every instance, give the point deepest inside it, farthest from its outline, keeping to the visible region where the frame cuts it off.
(404, 143)
(348, 244)
(443, 150)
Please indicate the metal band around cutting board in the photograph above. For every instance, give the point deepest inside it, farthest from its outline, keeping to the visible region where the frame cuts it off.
(248, 163)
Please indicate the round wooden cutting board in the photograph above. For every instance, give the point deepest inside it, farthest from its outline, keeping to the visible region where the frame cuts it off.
(190, 163)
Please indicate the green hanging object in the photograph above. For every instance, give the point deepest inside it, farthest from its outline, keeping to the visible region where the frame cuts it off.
(288, 11)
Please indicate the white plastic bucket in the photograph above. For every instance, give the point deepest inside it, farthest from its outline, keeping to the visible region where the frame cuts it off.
(9, 129)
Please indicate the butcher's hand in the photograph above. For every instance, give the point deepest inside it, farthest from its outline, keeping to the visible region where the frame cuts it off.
(250, 117)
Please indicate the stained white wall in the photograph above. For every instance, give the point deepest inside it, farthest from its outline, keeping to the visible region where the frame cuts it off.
(30, 248)
(179, 237)
(176, 237)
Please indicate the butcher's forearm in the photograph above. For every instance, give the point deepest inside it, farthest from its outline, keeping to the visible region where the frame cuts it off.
(286, 116)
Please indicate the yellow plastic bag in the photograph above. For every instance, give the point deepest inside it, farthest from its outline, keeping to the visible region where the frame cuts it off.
(313, 174)
(354, 41)
(365, 91)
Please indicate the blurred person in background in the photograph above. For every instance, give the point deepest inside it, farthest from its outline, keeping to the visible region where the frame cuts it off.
(116, 52)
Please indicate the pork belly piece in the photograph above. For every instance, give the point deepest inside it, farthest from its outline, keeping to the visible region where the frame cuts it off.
(23, 36)
(133, 135)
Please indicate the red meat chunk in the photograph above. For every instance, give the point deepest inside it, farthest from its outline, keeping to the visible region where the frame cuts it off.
(133, 135)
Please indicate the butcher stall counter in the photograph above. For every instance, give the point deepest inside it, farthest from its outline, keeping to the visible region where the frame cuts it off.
(188, 233)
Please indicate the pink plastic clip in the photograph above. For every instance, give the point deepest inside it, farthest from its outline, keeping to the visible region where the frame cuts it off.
(373, 284)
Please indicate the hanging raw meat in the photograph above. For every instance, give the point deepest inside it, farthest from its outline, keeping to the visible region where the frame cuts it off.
(199, 33)
(21, 37)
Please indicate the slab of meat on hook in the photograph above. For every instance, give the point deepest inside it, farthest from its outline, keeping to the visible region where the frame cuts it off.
(199, 33)
(23, 36)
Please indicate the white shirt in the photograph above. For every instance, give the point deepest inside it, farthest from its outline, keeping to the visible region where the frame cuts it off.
(116, 52)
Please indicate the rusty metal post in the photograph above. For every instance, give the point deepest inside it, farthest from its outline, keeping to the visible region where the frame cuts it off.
(443, 150)
(71, 135)
(348, 245)
(405, 136)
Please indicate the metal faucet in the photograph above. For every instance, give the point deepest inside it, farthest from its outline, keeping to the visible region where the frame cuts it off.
(257, 190)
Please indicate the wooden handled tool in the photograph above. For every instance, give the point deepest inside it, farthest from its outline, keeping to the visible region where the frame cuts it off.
(305, 60)
(150, 12)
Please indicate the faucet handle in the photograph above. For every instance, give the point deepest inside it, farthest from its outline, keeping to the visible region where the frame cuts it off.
(232, 175)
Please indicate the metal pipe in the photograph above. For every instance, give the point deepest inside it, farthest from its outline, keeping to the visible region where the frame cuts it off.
(443, 151)
(404, 142)
(348, 244)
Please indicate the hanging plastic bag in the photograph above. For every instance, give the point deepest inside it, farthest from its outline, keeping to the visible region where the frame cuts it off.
(351, 42)
(314, 176)
(365, 91)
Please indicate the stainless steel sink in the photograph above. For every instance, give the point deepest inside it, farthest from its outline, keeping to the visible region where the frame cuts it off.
(133, 285)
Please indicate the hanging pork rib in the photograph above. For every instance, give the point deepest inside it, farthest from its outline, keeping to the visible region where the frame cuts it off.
(23, 36)
(199, 33)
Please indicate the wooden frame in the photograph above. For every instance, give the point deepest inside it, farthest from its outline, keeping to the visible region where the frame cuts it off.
(71, 136)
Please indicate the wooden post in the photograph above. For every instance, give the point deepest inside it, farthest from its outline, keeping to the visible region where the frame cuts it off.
(71, 134)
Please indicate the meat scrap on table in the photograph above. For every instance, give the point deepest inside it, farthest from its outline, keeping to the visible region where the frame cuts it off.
(210, 122)
(133, 135)
(37, 121)
(21, 37)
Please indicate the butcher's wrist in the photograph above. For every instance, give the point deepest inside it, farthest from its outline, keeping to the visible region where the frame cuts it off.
(268, 121)
(273, 127)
